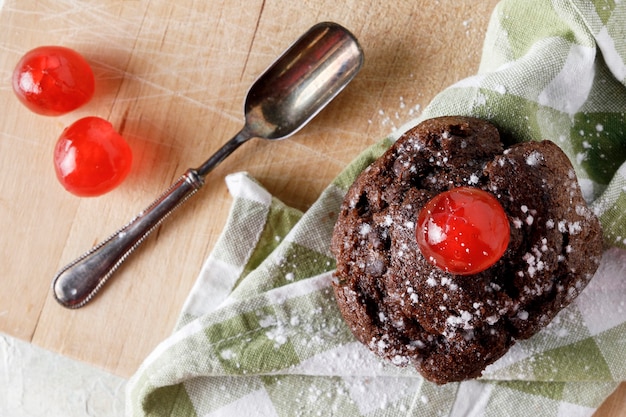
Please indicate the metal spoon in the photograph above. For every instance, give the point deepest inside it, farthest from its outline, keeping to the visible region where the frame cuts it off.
(290, 93)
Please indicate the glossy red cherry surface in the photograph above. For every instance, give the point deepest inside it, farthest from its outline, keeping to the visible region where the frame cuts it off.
(463, 231)
(53, 80)
(91, 158)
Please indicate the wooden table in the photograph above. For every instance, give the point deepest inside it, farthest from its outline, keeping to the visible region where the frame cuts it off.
(171, 76)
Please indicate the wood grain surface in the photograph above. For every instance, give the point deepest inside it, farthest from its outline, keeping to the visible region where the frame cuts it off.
(171, 77)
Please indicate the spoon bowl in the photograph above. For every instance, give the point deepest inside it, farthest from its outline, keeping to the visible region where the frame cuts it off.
(297, 86)
(302, 81)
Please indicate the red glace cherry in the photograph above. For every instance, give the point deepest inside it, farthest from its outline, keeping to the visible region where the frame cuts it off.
(91, 158)
(463, 231)
(53, 80)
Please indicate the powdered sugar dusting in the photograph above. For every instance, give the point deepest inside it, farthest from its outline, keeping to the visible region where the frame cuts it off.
(435, 233)
(393, 119)
(534, 158)
(365, 229)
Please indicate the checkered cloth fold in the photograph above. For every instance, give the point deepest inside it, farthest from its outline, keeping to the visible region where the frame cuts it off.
(261, 335)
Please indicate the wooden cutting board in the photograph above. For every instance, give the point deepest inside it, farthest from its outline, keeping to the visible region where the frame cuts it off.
(171, 77)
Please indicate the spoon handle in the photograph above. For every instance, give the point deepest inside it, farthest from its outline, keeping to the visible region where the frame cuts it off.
(79, 281)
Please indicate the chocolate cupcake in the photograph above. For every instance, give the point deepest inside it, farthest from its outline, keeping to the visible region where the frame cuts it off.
(413, 309)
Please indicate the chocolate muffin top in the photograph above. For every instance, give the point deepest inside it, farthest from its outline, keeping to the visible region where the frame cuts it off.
(450, 327)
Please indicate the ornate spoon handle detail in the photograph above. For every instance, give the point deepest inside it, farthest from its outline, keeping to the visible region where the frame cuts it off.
(79, 281)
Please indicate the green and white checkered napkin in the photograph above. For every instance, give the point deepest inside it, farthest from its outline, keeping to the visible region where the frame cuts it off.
(260, 334)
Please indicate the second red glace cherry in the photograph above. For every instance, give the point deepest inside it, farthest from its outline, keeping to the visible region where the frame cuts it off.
(463, 231)
(91, 158)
